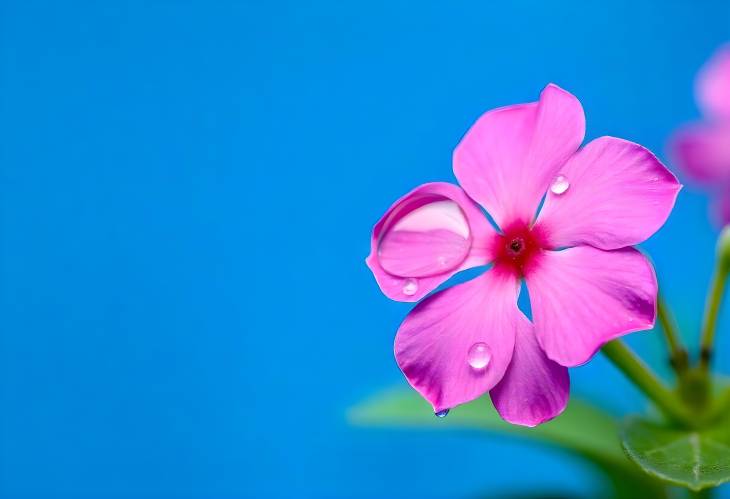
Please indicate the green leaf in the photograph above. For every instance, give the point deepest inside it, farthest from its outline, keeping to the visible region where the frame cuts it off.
(582, 429)
(697, 459)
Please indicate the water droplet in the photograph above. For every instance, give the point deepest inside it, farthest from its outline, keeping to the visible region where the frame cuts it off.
(441, 414)
(424, 239)
(410, 286)
(559, 185)
(479, 355)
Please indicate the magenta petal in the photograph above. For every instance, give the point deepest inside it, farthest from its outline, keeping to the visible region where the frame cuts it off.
(583, 297)
(444, 336)
(614, 193)
(510, 155)
(426, 237)
(713, 85)
(534, 389)
(703, 152)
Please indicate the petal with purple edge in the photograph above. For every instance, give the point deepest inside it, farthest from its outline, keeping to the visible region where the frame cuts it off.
(426, 237)
(703, 152)
(614, 193)
(509, 156)
(583, 297)
(436, 344)
(713, 85)
(534, 389)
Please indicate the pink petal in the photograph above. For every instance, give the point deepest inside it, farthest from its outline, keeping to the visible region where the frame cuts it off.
(614, 193)
(583, 297)
(472, 322)
(720, 208)
(510, 155)
(534, 389)
(713, 85)
(426, 237)
(703, 152)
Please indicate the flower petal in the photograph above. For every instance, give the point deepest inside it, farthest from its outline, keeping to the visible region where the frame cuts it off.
(436, 342)
(583, 297)
(534, 389)
(615, 193)
(713, 85)
(703, 152)
(426, 237)
(510, 155)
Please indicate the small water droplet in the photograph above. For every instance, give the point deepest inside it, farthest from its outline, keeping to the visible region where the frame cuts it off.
(559, 185)
(441, 414)
(410, 286)
(479, 355)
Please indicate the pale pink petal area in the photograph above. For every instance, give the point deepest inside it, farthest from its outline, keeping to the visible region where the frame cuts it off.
(713, 85)
(534, 389)
(510, 155)
(426, 237)
(702, 151)
(583, 297)
(612, 193)
(455, 345)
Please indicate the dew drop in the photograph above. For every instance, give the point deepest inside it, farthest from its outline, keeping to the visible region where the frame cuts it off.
(441, 414)
(479, 355)
(559, 185)
(410, 287)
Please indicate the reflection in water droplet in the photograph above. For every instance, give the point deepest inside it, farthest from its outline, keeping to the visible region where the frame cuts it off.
(410, 287)
(559, 185)
(441, 414)
(479, 355)
(427, 240)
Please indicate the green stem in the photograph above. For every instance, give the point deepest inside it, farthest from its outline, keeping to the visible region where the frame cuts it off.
(714, 298)
(640, 374)
(678, 353)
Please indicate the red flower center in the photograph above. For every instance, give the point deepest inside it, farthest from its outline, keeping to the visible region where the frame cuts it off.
(517, 247)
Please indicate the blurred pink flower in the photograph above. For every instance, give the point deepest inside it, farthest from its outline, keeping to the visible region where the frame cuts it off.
(586, 284)
(702, 150)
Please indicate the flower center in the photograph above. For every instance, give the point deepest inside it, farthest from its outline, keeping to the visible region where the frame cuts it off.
(517, 248)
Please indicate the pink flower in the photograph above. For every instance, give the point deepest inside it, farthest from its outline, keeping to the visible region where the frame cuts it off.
(586, 284)
(702, 150)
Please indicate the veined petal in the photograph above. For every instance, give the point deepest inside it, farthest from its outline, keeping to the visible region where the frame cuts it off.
(702, 151)
(510, 155)
(426, 237)
(534, 389)
(455, 345)
(713, 85)
(583, 297)
(614, 193)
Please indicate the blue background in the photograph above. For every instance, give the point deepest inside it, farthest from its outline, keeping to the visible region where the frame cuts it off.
(187, 191)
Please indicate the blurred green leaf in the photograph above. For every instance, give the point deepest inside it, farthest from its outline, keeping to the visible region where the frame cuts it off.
(582, 429)
(697, 459)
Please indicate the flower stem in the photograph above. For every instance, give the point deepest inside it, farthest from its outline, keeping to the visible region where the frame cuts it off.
(677, 352)
(714, 298)
(640, 374)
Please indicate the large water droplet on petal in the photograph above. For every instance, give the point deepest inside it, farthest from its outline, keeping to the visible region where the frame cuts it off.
(410, 286)
(442, 414)
(559, 185)
(432, 238)
(479, 355)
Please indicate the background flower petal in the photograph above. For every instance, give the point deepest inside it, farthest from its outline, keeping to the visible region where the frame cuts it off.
(702, 151)
(615, 193)
(534, 389)
(713, 85)
(510, 155)
(583, 297)
(426, 237)
(472, 322)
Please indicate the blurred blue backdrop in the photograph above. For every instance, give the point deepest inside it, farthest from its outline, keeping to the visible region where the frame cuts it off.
(187, 193)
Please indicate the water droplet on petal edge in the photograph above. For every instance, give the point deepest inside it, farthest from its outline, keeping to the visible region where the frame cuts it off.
(559, 185)
(410, 287)
(441, 414)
